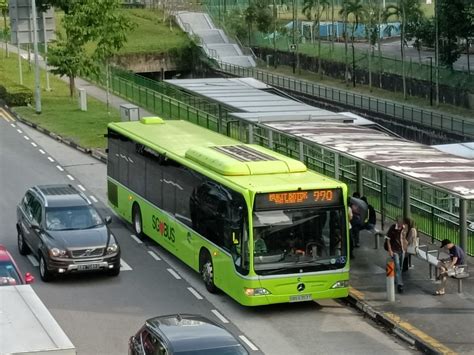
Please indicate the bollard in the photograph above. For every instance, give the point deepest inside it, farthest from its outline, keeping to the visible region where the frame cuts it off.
(390, 271)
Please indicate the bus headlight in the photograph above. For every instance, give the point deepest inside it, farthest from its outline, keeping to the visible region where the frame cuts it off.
(341, 284)
(256, 291)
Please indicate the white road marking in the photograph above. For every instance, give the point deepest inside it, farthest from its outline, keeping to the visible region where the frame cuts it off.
(195, 293)
(19, 131)
(34, 144)
(154, 256)
(70, 177)
(42, 151)
(81, 187)
(26, 137)
(51, 159)
(220, 316)
(93, 199)
(135, 238)
(174, 273)
(13, 125)
(33, 260)
(60, 168)
(124, 266)
(248, 342)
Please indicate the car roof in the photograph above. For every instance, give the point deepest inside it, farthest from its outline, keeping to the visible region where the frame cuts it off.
(187, 332)
(61, 195)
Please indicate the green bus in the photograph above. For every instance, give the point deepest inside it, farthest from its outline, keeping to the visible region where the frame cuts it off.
(255, 224)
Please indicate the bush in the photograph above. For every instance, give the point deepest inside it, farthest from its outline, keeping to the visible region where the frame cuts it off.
(16, 95)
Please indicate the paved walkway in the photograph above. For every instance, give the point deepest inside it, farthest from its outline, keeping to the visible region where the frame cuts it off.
(449, 319)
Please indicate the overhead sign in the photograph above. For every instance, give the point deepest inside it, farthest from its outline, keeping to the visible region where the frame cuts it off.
(21, 23)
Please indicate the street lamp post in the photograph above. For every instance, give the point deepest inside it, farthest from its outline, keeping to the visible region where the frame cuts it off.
(37, 69)
(431, 80)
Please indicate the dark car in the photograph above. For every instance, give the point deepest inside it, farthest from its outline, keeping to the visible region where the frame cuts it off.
(184, 334)
(59, 225)
(9, 272)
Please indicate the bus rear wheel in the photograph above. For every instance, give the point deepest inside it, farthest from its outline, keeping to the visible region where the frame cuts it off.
(207, 273)
(137, 220)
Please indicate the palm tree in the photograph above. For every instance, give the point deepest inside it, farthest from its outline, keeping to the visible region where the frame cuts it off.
(4, 11)
(405, 11)
(318, 6)
(355, 10)
(372, 30)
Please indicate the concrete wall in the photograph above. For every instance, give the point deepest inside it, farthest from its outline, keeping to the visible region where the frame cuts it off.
(146, 62)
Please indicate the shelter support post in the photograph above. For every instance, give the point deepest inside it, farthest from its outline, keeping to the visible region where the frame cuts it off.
(360, 178)
(406, 198)
(336, 166)
(270, 139)
(463, 223)
(219, 119)
(301, 146)
(250, 133)
(382, 200)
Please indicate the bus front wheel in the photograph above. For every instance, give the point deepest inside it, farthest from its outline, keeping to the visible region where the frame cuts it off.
(137, 220)
(207, 272)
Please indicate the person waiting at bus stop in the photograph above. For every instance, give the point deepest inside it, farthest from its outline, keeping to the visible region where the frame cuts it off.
(396, 245)
(456, 258)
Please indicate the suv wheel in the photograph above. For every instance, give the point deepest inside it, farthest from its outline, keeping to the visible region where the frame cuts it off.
(45, 274)
(22, 247)
(137, 221)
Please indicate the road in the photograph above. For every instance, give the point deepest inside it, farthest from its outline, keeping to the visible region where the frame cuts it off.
(99, 313)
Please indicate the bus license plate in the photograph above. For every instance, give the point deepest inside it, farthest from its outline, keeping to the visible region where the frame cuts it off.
(88, 267)
(301, 298)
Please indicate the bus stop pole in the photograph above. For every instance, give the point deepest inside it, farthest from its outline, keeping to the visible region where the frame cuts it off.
(390, 271)
(406, 198)
(360, 178)
(463, 223)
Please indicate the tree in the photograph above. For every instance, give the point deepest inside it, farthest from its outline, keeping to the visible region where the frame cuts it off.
(4, 11)
(372, 32)
(355, 10)
(451, 21)
(96, 22)
(313, 9)
(407, 11)
(250, 16)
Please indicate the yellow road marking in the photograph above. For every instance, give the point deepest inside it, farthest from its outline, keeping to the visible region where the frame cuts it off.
(356, 293)
(6, 115)
(410, 329)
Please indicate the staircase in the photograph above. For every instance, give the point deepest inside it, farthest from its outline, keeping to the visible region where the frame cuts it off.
(213, 41)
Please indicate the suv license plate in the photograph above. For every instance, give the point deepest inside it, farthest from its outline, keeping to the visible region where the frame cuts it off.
(88, 267)
(301, 298)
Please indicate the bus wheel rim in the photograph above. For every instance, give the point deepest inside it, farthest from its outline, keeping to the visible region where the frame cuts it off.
(207, 273)
(138, 225)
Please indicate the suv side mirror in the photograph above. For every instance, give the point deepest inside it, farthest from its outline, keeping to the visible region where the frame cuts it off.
(29, 278)
(108, 220)
(35, 225)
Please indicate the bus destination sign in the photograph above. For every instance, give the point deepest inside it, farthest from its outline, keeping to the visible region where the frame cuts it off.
(293, 199)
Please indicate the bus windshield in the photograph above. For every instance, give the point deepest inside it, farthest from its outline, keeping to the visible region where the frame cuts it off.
(299, 240)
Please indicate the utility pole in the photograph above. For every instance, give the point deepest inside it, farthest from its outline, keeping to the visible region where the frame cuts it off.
(48, 88)
(274, 33)
(431, 81)
(294, 36)
(37, 69)
(437, 50)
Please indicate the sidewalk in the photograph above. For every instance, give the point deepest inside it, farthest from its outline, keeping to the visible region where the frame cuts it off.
(449, 319)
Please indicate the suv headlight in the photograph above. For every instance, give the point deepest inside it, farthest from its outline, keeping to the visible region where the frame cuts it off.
(56, 252)
(113, 247)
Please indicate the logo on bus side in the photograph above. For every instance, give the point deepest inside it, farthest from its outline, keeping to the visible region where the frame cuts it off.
(163, 228)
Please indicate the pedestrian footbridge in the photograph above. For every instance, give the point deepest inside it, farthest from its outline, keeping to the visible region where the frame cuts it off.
(215, 43)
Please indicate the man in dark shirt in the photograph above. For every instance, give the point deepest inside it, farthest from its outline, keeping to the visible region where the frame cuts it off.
(372, 216)
(456, 258)
(396, 249)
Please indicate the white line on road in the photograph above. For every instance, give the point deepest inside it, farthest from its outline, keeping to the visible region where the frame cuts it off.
(51, 159)
(19, 131)
(26, 137)
(135, 238)
(174, 273)
(13, 125)
(248, 342)
(154, 256)
(60, 168)
(124, 266)
(32, 260)
(81, 187)
(195, 293)
(93, 199)
(34, 144)
(70, 177)
(42, 151)
(220, 316)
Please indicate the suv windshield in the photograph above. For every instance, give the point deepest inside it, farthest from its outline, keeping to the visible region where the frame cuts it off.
(70, 218)
(291, 240)
(8, 274)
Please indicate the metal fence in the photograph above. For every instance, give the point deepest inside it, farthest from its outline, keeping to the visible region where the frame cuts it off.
(431, 220)
(390, 109)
